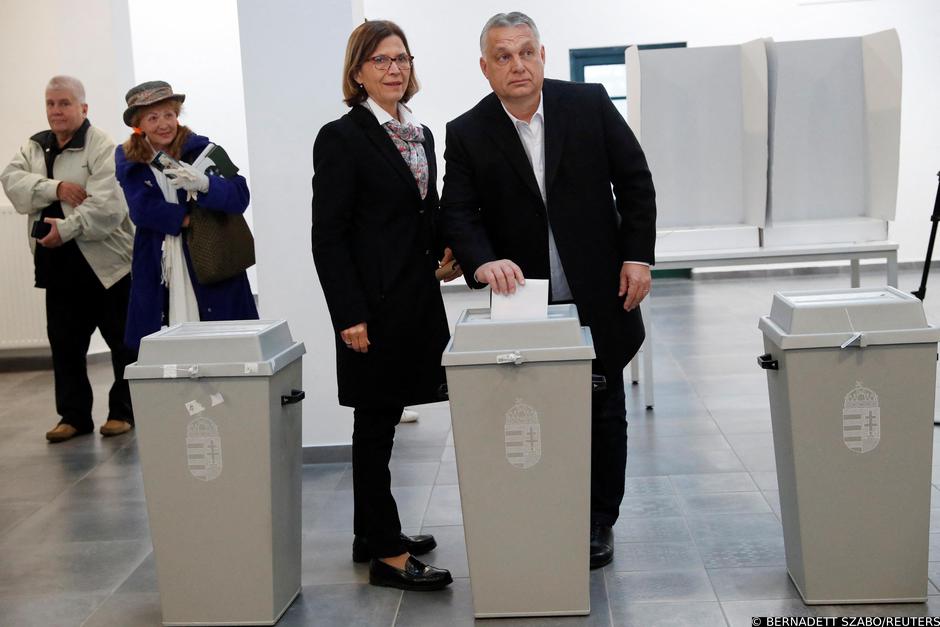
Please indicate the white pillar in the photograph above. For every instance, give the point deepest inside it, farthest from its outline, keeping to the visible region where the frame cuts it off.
(292, 58)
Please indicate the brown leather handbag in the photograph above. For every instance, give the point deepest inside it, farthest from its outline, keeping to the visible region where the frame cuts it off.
(220, 244)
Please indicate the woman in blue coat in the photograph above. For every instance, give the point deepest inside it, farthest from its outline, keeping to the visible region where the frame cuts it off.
(164, 288)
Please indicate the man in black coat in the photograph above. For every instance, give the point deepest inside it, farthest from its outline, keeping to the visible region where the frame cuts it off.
(544, 179)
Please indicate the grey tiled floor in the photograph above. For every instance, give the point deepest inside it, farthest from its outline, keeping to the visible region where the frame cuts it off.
(699, 541)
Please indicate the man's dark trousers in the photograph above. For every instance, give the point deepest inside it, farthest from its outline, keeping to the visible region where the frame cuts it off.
(74, 309)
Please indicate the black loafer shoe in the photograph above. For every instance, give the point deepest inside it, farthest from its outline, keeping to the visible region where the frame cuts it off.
(602, 545)
(416, 545)
(416, 576)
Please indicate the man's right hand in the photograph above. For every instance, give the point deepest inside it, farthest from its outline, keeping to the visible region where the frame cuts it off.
(356, 337)
(72, 193)
(501, 275)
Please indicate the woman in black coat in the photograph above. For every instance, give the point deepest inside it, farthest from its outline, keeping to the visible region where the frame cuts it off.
(374, 205)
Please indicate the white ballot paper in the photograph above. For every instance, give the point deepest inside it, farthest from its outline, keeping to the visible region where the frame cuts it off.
(530, 302)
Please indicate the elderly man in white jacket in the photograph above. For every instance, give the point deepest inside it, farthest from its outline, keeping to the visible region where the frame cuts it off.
(81, 238)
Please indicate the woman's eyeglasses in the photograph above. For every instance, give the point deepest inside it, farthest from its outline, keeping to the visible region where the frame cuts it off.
(383, 62)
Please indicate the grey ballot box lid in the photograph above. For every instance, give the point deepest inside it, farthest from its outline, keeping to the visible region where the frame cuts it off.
(229, 348)
(479, 340)
(846, 317)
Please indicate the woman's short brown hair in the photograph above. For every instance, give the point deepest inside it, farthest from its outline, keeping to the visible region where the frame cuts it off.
(138, 149)
(362, 43)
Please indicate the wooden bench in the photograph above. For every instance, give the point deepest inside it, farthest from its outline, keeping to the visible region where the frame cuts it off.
(853, 252)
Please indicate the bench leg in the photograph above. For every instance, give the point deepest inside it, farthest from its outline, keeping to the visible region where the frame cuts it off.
(635, 368)
(892, 260)
(856, 275)
(648, 359)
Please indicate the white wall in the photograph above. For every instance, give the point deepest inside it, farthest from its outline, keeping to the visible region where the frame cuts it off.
(444, 38)
(292, 57)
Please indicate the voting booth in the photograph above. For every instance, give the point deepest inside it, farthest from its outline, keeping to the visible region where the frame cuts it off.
(701, 116)
(835, 116)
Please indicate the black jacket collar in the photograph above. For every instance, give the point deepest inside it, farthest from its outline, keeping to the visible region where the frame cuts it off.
(377, 135)
(47, 139)
(504, 133)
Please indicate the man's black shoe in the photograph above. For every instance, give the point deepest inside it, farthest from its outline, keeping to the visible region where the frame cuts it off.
(416, 576)
(416, 545)
(602, 545)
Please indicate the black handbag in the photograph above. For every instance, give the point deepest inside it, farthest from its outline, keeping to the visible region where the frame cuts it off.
(220, 244)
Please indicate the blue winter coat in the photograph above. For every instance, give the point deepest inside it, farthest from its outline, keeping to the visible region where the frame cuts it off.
(154, 217)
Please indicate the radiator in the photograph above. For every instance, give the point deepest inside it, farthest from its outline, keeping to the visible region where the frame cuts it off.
(22, 306)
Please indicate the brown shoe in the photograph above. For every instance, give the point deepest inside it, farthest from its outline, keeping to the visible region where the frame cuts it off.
(61, 432)
(115, 427)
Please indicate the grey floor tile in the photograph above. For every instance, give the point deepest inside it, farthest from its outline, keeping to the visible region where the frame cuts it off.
(684, 586)
(412, 504)
(740, 613)
(713, 482)
(934, 548)
(453, 607)
(447, 475)
(644, 463)
(892, 609)
(323, 477)
(326, 558)
(723, 503)
(101, 487)
(679, 444)
(328, 510)
(732, 422)
(353, 605)
(933, 572)
(752, 583)
(647, 486)
(403, 474)
(67, 610)
(135, 609)
(444, 507)
(669, 615)
(69, 520)
(773, 500)
(68, 568)
(12, 512)
(655, 423)
(451, 551)
(765, 480)
(641, 556)
(406, 452)
(718, 526)
(649, 507)
(734, 552)
(142, 580)
(669, 529)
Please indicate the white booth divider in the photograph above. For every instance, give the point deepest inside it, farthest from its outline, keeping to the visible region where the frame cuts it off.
(835, 117)
(701, 116)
